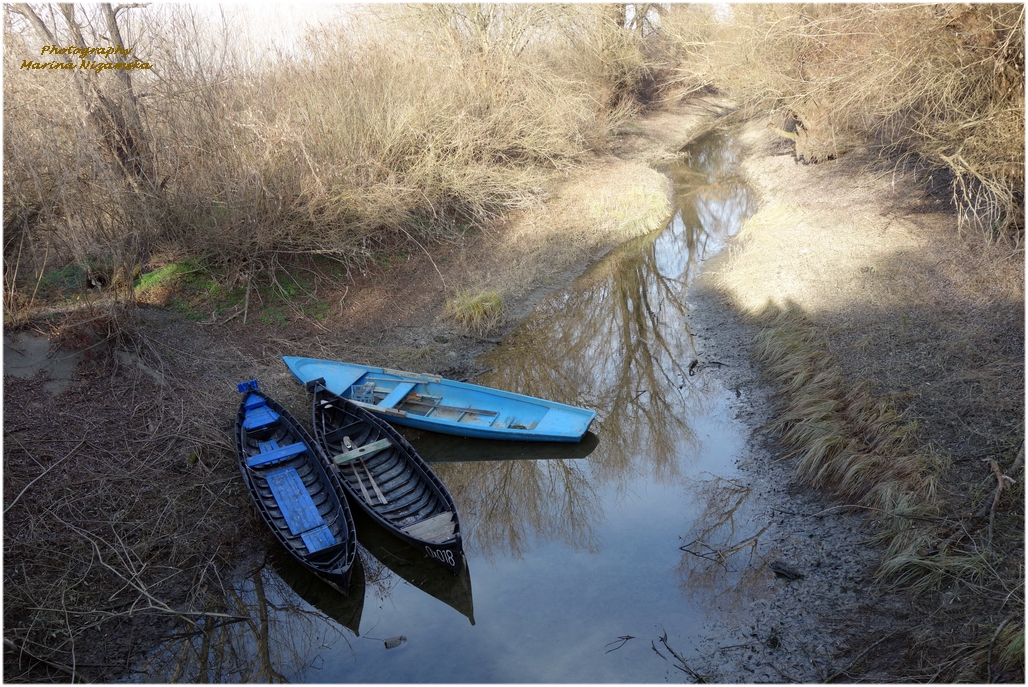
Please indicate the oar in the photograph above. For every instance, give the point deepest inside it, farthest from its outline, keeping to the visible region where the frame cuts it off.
(349, 444)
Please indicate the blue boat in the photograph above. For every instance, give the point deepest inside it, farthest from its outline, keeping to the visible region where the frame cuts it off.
(442, 405)
(304, 506)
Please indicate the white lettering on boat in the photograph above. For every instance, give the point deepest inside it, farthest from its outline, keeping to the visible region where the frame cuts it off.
(440, 555)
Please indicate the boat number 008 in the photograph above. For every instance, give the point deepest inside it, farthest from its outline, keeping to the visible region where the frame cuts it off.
(444, 556)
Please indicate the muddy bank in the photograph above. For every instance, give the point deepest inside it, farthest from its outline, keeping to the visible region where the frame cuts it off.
(930, 319)
(813, 627)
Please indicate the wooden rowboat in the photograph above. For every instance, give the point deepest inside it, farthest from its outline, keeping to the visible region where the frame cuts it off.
(303, 505)
(384, 475)
(443, 405)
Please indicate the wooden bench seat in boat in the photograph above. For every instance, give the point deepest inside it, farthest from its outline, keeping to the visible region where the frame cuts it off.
(273, 454)
(258, 418)
(253, 401)
(396, 395)
(299, 510)
(436, 529)
(365, 451)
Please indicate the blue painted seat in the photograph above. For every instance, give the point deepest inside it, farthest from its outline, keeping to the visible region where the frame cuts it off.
(261, 417)
(299, 511)
(253, 401)
(396, 395)
(275, 455)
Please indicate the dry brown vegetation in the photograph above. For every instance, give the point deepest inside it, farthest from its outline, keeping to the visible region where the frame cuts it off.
(939, 88)
(232, 158)
(249, 158)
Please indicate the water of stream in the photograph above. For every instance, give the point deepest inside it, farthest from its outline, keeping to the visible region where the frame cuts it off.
(583, 561)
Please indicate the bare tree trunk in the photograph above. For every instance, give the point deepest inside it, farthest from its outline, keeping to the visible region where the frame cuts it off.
(117, 120)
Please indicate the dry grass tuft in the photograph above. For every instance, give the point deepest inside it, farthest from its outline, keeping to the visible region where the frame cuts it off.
(860, 447)
(478, 312)
(844, 438)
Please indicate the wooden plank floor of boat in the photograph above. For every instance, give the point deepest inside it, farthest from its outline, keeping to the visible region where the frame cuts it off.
(436, 529)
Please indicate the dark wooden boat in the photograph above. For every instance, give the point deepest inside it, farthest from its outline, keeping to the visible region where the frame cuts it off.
(300, 501)
(385, 476)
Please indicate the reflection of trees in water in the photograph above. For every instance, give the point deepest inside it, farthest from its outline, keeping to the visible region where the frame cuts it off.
(616, 341)
(720, 559)
(505, 505)
(257, 631)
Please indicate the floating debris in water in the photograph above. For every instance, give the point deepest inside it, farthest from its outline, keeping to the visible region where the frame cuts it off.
(394, 642)
(785, 570)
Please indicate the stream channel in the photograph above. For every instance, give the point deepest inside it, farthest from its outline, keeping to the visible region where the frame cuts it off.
(584, 561)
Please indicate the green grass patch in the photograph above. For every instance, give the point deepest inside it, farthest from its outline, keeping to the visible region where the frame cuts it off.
(166, 276)
(200, 294)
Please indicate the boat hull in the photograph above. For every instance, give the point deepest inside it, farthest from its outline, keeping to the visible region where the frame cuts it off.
(441, 405)
(386, 478)
(305, 507)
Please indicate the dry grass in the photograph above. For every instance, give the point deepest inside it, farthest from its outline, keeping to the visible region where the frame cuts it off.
(844, 438)
(256, 158)
(938, 87)
(858, 446)
(478, 312)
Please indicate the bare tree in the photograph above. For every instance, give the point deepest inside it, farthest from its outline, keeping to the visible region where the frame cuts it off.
(114, 109)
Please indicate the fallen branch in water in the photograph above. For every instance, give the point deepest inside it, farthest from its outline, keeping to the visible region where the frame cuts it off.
(685, 666)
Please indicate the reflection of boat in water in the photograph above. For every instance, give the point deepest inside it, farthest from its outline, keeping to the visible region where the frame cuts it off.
(344, 609)
(445, 448)
(413, 566)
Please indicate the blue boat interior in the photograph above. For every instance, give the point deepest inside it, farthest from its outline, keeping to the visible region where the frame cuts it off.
(287, 487)
(443, 403)
(299, 510)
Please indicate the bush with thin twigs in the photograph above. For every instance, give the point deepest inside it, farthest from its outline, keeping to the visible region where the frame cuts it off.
(336, 147)
(937, 86)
